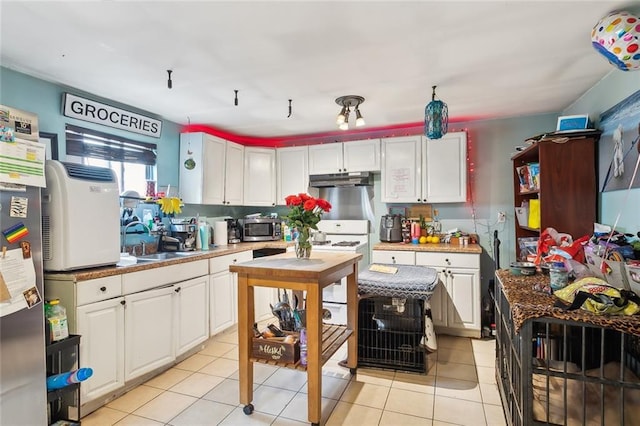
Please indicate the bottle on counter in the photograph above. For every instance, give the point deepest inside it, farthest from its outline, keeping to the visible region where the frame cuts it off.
(436, 226)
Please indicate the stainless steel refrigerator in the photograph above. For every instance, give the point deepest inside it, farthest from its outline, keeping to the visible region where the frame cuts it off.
(22, 342)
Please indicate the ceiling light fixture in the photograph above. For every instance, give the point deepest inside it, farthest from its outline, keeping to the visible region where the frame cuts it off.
(347, 102)
(436, 117)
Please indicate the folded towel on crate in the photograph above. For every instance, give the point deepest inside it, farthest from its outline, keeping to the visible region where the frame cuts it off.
(410, 281)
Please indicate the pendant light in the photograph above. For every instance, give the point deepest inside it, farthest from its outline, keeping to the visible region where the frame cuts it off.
(436, 118)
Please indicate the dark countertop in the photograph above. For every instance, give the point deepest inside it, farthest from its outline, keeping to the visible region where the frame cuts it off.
(107, 271)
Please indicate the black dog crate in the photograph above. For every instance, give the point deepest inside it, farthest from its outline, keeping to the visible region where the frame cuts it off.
(389, 333)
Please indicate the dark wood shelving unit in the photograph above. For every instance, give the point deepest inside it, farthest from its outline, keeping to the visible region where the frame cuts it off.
(568, 183)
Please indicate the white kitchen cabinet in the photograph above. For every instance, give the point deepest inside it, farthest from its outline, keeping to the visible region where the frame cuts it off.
(193, 313)
(223, 292)
(202, 165)
(101, 326)
(444, 162)
(420, 170)
(455, 305)
(259, 177)
(401, 174)
(149, 331)
(344, 157)
(361, 156)
(234, 174)
(211, 170)
(394, 257)
(292, 172)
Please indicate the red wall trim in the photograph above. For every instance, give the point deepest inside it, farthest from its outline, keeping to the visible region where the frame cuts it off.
(405, 129)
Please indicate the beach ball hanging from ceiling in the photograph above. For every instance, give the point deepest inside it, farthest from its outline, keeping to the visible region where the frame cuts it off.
(617, 38)
(436, 118)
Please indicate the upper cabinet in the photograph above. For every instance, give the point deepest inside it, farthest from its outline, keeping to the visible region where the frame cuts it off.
(292, 177)
(259, 177)
(420, 170)
(355, 156)
(234, 174)
(444, 163)
(211, 170)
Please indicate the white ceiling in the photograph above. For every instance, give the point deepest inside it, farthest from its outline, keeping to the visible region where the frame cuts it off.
(489, 59)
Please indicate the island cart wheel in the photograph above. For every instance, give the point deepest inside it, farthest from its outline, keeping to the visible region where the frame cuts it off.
(248, 409)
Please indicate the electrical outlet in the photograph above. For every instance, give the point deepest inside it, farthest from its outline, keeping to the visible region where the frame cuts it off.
(502, 217)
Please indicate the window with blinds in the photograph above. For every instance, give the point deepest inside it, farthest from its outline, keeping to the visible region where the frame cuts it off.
(134, 162)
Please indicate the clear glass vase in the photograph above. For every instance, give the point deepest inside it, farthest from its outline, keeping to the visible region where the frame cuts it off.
(303, 244)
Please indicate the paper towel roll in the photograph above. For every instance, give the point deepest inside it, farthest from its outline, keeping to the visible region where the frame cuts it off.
(220, 235)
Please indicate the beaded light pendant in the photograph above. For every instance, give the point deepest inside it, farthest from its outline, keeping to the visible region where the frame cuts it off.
(436, 118)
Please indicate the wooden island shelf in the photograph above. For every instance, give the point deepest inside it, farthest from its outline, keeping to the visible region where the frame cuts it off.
(311, 276)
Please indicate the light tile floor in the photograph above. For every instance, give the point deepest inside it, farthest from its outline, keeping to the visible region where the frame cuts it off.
(459, 389)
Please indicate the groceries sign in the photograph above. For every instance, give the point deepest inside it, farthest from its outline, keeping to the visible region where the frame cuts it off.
(96, 112)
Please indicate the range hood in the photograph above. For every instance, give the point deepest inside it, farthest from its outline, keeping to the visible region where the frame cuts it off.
(341, 179)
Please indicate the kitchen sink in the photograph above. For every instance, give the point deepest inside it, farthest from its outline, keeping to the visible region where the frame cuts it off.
(155, 257)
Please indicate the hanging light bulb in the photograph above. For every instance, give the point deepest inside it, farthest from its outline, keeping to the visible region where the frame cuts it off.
(341, 116)
(359, 119)
(345, 124)
(436, 117)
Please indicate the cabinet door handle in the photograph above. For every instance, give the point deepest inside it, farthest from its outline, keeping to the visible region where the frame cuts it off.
(448, 262)
(103, 289)
(177, 290)
(123, 302)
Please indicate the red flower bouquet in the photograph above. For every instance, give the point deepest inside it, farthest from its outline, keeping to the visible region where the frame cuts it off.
(306, 212)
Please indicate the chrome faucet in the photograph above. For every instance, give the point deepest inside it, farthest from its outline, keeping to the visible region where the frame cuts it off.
(124, 233)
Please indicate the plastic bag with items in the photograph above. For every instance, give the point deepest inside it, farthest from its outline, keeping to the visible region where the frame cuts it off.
(596, 296)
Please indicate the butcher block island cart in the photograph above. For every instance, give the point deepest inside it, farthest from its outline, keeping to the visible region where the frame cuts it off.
(309, 275)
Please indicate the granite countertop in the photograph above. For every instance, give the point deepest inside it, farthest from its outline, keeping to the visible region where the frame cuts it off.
(107, 271)
(440, 247)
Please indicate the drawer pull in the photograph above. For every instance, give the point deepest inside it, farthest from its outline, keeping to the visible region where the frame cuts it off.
(122, 302)
(177, 290)
(103, 289)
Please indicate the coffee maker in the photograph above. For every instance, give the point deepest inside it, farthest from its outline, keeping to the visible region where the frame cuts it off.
(234, 231)
(185, 231)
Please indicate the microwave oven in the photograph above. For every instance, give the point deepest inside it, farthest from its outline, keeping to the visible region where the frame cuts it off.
(261, 229)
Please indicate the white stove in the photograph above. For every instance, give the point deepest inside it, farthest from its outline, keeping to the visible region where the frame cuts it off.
(345, 236)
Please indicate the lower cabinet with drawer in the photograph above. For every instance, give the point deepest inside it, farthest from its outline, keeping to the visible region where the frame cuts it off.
(455, 304)
(127, 334)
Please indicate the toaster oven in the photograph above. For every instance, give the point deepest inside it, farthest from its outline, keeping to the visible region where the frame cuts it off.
(261, 229)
